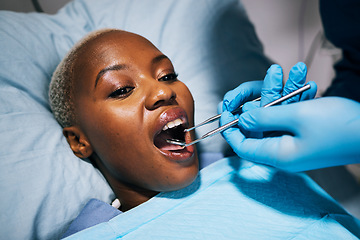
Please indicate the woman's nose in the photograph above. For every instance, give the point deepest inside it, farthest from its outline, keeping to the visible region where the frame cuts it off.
(160, 94)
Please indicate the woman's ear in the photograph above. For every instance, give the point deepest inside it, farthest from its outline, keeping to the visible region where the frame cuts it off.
(78, 142)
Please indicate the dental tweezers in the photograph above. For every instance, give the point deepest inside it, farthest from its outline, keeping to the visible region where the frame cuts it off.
(232, 123)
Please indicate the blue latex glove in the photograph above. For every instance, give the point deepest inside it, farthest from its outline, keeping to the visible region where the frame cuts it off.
(324, 132)
(270, 89)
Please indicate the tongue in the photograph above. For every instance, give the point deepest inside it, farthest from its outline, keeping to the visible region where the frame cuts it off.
(160, 142)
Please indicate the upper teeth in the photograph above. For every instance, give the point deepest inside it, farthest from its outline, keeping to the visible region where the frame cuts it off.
(173, 124)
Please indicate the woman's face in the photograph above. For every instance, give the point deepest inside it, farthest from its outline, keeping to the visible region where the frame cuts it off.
(126, 94)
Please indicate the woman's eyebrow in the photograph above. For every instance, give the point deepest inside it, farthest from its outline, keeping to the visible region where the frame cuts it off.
(115, 67)
(159, 58)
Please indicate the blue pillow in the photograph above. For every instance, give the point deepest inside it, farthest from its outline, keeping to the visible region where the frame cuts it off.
(43, 186)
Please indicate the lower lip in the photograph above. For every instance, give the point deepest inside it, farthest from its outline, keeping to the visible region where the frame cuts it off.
(183, 155)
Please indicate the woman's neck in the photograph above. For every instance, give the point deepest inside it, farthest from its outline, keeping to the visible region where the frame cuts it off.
(129, 195)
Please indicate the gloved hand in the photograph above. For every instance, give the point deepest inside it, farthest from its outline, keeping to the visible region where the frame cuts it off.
(271, 89)
(321, 133)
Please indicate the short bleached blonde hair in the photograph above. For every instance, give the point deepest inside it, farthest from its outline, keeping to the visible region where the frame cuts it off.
(61, 89)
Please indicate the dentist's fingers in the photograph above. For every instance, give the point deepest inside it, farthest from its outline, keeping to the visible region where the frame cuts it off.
(272, 151)
(243, 93)
(307, 95)
(297, 78)
(259, 150)
(250, 106)
(232, 135)
(275, 118)
(310, 93)
(273, 85)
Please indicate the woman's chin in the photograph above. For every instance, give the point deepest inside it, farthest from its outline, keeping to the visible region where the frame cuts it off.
(181, 182)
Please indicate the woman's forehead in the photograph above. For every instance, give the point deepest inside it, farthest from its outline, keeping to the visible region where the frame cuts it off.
(121, 40)
(114, 46)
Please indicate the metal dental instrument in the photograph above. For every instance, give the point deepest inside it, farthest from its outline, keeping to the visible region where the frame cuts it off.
(232, 123)
(216, 117)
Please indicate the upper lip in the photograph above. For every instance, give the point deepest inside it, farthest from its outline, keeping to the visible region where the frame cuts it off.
(169, 115)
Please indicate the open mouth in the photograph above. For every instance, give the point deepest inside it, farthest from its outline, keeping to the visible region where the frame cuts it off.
(172, 130)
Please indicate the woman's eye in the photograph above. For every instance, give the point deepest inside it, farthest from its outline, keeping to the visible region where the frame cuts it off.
(169, 77)
(121, 92)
